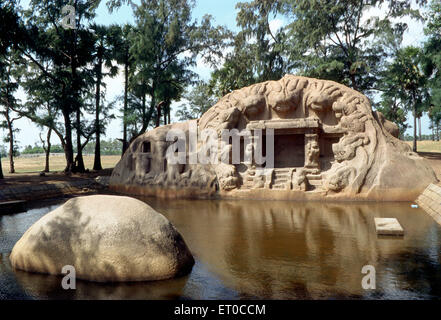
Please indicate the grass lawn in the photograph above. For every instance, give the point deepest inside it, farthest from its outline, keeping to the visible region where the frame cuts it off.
(56, 163)
(427, 146)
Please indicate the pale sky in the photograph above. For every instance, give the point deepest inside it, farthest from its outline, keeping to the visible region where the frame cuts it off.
(224, 13)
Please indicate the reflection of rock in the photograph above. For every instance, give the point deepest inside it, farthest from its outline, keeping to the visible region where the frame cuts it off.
(41, 286)
(106, 238)
(288, 250)
(319, 125)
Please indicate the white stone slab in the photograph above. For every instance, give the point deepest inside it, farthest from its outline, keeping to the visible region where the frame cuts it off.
(388, 226)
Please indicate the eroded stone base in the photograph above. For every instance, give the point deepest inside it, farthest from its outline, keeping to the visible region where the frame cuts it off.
(263, 194)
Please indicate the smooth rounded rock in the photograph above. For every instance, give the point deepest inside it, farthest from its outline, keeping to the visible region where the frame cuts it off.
(106, 238)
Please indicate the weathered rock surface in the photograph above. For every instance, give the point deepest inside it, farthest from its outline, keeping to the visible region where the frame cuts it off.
(328, 144)
(106, 238)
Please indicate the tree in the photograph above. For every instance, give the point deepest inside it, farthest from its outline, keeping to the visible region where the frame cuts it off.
(9, 77)
(103, 56)
(432, 61)
(42, 108)
(407, 84)
(237, 70)
(342, 40)
(165, 44)
(1, 169)
(47, 148)
(121, 52)
(199, 101)
(267, 47)
(259, 53)
(10, 35)
(62, 56)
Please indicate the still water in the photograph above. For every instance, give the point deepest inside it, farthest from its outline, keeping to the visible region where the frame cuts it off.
(265, 250)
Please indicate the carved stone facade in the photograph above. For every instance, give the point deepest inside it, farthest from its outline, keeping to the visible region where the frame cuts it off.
(328, 144)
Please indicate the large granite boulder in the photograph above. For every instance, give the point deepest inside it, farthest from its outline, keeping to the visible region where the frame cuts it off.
(106, 238)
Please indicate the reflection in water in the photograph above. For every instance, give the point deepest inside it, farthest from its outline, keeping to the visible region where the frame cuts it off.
(264, 249)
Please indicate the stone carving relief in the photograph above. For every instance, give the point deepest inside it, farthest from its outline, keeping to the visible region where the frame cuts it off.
(362, 142)
(312, 151)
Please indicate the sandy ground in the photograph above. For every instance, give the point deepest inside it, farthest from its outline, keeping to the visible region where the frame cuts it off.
(29, 179)
(427, 146)
(56, 163)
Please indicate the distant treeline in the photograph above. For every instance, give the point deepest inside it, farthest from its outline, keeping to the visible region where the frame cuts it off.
(423, 137)
(108, 147)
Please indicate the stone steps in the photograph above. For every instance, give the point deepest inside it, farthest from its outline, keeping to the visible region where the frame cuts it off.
(281, 178)
(315, 180)
(279, 186)
(248, 180)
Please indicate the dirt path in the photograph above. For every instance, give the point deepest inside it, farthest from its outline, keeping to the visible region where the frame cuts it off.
(30, 179)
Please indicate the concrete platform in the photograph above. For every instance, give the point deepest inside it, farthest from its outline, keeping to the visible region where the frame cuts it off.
(388, 226)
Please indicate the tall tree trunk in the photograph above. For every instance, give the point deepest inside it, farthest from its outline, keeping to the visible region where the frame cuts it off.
(354, 82)
(414, 129)
(158, 115)
(79, 161)
(11, 152)
(1, 169)
(165, 117)
(126, 89)
(48, 150)
(68, 147)
(11, 141)
(432, 124)
(437, 132)
(97, 160)
(419, 128)
(148, 116)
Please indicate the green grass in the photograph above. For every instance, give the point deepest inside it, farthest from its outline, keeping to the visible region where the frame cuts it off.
(56, 163)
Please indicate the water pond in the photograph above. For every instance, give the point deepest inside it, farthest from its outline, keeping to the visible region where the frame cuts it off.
(264, 250)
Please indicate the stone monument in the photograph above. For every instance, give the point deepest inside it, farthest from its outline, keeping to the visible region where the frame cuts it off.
(325, 141)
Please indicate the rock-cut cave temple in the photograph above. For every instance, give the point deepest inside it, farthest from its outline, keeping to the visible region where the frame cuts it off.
(328, 145)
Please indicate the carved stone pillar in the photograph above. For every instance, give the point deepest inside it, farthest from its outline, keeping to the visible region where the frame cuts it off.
(312, 151)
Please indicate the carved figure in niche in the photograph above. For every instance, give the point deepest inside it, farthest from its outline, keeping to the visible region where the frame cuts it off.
(299, 180)
(350, 117)
(312, 154)
(346, 148)
(226, 175)
(340, 179)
